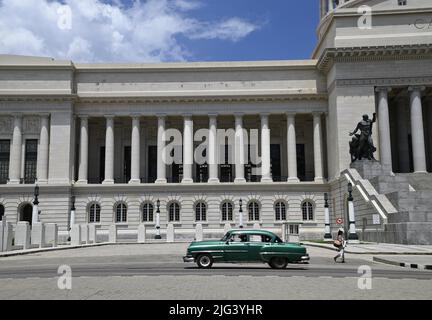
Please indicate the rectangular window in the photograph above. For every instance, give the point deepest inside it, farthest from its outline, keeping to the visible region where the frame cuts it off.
(127, 164)
(4, 160)
(30, 165)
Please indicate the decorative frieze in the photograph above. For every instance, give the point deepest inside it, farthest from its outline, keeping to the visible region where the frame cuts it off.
(31, 125)
(5, 125)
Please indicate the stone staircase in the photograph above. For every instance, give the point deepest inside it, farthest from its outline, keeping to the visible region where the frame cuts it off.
(410, 194)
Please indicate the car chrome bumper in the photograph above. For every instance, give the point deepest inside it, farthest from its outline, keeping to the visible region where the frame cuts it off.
(305, 258)
(188, 259)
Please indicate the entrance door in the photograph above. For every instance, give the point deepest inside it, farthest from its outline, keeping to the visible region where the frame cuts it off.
(26, 213)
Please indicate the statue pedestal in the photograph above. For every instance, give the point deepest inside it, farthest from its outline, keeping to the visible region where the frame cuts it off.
(369, 169)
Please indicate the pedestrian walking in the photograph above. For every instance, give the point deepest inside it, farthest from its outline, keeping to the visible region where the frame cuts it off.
(340, 243)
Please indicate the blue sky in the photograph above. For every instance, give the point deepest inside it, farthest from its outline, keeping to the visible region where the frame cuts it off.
(159, 30)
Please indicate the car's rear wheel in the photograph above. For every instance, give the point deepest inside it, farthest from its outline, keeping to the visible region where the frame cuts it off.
(205, 261)
(278, 263)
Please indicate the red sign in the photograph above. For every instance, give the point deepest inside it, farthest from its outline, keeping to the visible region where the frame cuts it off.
(339, 221)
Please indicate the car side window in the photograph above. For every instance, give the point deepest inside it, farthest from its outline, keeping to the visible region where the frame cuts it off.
(256, 238)
(266, 238)
(239, 238)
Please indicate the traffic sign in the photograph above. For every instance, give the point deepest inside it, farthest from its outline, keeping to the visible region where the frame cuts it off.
(339, 221)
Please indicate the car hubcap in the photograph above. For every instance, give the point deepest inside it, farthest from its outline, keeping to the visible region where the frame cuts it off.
(205, 261)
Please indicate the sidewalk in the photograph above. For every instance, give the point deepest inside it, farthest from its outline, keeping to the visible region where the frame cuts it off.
(377, 249)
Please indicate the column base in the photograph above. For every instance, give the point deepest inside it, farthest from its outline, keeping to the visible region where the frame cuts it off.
(213, 180)
(161, 181)
(266, 180)
(42, 181)
(319, 180)
(108, 182)
(187, 181)
(135, 181)
(328, 236)
(240, 180)
(353, 237)
(14, 182)
(420, 172)
(82, 182)
(293, 180)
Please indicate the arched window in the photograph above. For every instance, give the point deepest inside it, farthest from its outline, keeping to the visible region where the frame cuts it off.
(307, 211)
(200, 211)
(94, 213)
(254, 214)
(174, 212)
(121, 212)
(147, 212)
(227, 211)
(280, 211)
(2, 212)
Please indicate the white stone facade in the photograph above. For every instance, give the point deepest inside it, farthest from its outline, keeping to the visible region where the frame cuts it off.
(99, 128)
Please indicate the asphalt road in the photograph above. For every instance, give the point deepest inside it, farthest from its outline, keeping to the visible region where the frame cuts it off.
(157, 272)
(166, 265)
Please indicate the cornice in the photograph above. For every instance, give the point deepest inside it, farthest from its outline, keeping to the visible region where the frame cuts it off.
(37, 98)
(360, 54)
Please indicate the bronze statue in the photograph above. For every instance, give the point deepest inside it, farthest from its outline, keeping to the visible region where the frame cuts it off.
(362, 145)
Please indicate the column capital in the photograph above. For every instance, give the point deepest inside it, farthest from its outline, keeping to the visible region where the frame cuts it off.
(187, 115)
(291, 114)
(264, 114)
(317, 113)
(109, 116)
(135, 115)
(17, 115)
(239, 114)
(383, 89)
(213, 115)
(44, 115)
(161, 115)
(416, 88)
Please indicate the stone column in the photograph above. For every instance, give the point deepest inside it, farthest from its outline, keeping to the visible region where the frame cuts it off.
(16, 152)
(417, 130)
(43, 152)
(384, 129)
(84, 143)
(212, 150)
(292, 148)
(188, 150)
(318, 154)
(136, 150)
(109, 151)
(402, 136)
(239, 149)
(429, 126)
(161, 158)
(265, 149)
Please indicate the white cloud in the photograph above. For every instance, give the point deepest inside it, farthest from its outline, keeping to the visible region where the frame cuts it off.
(147, 31)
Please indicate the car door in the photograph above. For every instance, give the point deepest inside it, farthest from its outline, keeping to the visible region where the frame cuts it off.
(255, 246)
(236, 248)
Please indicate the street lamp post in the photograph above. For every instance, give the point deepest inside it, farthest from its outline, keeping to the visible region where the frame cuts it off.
(35, 212)
(158, 235)
(327, 218)
(352, 227)
(241, 214)
(72, 215)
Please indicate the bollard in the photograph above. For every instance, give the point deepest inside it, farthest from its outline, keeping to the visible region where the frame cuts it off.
(38, 234)
(22, 235)
(75, 235)
(142, 233)
(51, 234)
(5, 236)
(85, 234)
(170, 233)
(113, 233)
(199, 232)
(92, 233)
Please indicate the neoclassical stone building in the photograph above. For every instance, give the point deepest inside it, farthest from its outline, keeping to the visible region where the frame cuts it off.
(96, 132)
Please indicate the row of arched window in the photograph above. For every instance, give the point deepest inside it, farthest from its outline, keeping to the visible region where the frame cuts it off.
(174, 212)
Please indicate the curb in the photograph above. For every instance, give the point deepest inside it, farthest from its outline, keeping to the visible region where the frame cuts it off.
(404, 264)
(369, 252)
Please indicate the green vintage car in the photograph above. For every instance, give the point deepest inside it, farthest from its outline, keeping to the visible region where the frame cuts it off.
(246, 246)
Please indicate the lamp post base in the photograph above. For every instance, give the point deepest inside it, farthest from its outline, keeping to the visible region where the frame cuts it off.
(158, 237)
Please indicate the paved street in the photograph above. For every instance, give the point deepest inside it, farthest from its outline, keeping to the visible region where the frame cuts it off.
(155, 271)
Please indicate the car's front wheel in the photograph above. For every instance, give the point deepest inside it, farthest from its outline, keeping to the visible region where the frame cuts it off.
(278, 263)
(204, 261)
